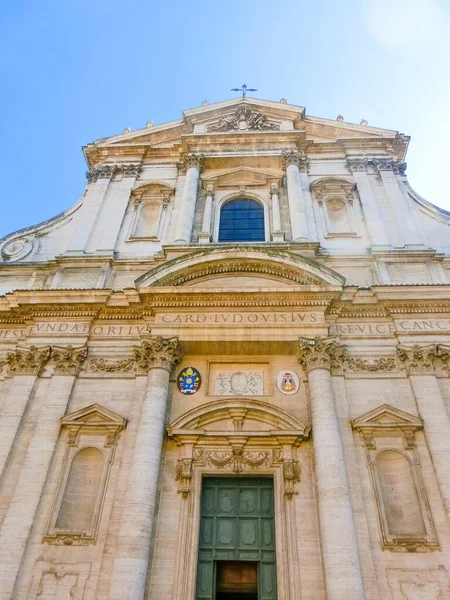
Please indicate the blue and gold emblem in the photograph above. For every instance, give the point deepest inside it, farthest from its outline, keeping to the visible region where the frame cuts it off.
(189, 380)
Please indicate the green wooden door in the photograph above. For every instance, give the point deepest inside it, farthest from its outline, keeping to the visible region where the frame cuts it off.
(237, 523)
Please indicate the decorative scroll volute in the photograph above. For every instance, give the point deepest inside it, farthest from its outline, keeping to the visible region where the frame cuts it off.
(68, 360)
(320, 353)
(189, 161)
(27, 361)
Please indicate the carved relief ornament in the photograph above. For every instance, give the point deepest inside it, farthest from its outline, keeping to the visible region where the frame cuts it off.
(190, 161)
(418, 360)
(68, 360)
(157, 352)
(320, 353)
(389, 163)
(244, 119)
(297, 158)
(108, 171)
(27, 361)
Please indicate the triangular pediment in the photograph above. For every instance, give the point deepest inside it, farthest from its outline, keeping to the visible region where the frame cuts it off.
(205, 128)
(241, 176)
(94, 415)
(387, 417)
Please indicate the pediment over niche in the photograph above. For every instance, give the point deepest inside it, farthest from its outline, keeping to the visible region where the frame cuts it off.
(386, 418)
(243, 264)
(93, 416)
(241, 418)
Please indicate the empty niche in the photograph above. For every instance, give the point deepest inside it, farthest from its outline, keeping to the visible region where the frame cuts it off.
(83, 485)
(147, 223)
(338, 217)
(399, 494)
(91, 436)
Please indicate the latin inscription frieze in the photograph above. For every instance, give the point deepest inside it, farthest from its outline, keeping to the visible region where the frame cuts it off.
(240, 318)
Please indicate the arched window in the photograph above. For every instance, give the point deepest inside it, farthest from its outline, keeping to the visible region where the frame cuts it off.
(242, 220)
(398, 491)
(80, 494)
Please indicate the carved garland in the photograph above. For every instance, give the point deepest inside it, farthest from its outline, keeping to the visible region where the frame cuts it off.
(153, 352)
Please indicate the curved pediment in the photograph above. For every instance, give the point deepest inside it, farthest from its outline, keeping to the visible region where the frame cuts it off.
(240, 416)
(243, 267)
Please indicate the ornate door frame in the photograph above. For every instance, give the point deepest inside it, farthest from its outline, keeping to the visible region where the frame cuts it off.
(238, 448)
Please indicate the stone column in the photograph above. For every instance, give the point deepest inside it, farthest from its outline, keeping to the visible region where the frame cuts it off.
(337, 529)
(87, 216)
(293, 161)
(25, 365)
(28, 491)
(277, 233)
(133, 547)
(388, 170)
(372, 215)
(116, 208)
(205, 235)
(418, 362)
(191, 165)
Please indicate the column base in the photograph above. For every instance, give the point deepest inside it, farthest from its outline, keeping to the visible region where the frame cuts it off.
(277, 236)
(204, 238)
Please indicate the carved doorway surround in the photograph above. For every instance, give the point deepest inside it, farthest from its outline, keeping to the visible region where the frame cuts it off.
(237, 437)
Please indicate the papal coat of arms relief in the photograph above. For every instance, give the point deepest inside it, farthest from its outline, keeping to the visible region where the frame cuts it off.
(239, 383)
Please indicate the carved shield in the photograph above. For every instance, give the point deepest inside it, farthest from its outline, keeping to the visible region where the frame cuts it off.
(238, 382)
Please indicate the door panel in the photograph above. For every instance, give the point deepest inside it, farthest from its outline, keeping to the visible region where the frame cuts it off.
(237, 523)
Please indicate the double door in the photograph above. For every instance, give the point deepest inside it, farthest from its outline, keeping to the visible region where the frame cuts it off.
(236, 559)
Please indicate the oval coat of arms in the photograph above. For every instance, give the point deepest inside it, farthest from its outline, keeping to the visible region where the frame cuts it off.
(189, 380)
(288, 382)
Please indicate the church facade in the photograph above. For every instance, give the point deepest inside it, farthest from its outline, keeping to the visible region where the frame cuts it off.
(224, 371)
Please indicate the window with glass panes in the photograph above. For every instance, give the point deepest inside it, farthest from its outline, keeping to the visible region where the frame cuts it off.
(242, 220)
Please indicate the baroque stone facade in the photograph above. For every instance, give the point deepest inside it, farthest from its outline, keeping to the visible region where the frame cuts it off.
(232, 352)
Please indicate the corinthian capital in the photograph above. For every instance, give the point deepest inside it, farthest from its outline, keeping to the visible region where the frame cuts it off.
(68, 360)
(27, 361)
(132, 170)
(295, 157)
(189, 161)
(418, 360)
(157, 352)
(389, 164)
(357, 164)
(320, 353)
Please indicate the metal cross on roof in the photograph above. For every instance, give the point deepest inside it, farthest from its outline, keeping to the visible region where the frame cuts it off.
(244, 89)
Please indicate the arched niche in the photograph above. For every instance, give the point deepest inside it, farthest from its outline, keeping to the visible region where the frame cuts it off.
(77, 509)
(237, 436)
(90, 436)
(335, 198)
(150, 203)
(399, 495)
(400, 499)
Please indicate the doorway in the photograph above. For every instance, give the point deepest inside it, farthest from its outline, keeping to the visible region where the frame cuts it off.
(236, 580)
(236, 558)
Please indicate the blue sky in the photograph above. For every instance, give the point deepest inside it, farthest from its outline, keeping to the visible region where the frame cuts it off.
(73, 71)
